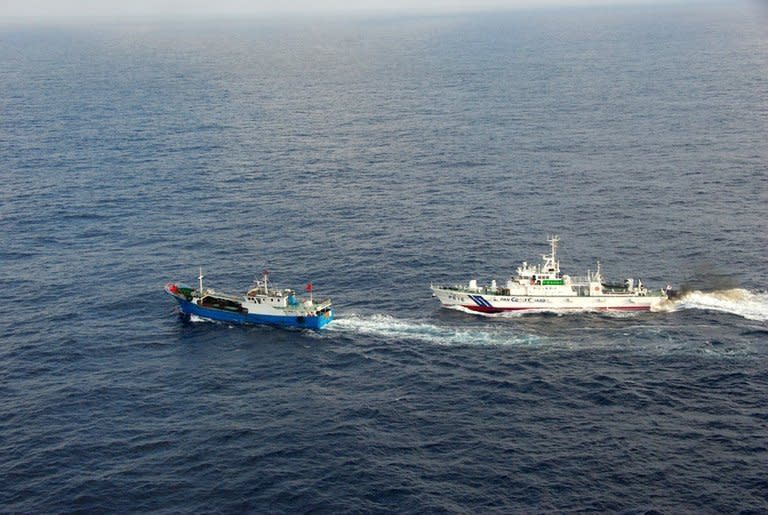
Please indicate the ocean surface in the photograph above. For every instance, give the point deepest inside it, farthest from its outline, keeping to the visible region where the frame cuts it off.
(373, 155)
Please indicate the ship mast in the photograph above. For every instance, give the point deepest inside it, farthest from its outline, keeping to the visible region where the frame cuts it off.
(553, 241)
(550, 262)
(200, 281)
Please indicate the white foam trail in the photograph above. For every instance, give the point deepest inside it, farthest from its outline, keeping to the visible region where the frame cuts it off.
(202, 320)
(737, 301)
(390, 327)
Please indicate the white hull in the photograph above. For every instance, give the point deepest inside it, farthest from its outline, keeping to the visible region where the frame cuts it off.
(543, 287)
(487, 303)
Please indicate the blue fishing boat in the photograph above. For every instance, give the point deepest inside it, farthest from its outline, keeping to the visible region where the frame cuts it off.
(262, 304)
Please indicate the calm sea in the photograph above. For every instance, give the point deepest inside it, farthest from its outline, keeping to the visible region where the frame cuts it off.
(373, 155)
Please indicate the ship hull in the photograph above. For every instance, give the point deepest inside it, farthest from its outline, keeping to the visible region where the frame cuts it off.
(246, 318)
(489, 304)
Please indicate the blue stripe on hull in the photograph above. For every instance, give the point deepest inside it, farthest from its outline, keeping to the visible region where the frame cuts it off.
(310, 322)
(480, 301)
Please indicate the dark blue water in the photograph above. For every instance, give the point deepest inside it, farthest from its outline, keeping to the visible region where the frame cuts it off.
(372, 156)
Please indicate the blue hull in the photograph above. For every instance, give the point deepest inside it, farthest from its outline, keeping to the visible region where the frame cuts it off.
(233, 317)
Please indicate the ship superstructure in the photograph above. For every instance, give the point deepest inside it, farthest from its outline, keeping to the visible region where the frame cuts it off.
(543, 287)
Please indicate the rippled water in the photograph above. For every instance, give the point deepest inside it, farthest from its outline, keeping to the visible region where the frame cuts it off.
(373, 156)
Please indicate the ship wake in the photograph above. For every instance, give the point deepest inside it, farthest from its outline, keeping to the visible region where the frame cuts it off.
(736, 301)
(388, 327)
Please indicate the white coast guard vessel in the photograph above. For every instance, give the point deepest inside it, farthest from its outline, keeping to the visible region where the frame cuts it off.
(543, 287)
(262, 304)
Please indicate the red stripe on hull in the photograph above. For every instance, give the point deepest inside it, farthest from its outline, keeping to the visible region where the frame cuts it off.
(485, 309)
